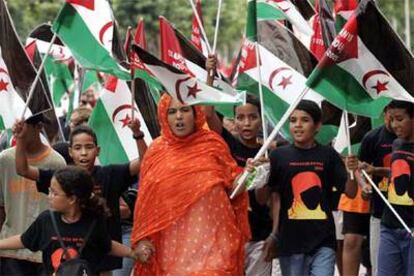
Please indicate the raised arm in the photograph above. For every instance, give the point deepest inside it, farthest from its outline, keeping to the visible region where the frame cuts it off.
(213, 120)
(138, 135)
(22, 166)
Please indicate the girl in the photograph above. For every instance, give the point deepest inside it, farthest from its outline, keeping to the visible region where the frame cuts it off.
(77, 211)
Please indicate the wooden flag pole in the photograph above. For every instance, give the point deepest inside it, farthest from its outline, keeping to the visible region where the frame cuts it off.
(387, 203)
(268, 141)
(39, 72)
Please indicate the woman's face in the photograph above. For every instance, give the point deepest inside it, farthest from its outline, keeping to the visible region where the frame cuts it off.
(180, 118)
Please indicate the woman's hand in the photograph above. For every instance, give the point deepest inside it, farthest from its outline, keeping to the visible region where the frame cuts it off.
(143, 252)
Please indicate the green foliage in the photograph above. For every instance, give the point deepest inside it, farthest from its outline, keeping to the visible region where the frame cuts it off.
(179, 12)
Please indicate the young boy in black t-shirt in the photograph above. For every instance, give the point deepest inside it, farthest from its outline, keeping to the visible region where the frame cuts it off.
(302, 177)
(396, 249)
(110, 181)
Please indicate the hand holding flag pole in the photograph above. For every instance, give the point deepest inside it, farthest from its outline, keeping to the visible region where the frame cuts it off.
(268, 141)
(39, 72)
(387, 203)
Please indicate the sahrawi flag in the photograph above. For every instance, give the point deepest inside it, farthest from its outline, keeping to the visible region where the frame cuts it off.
(57, 70)
(284, 65)
(183, 86)
(110, 119)
(282, 10)
(178, 51)
(16, 76)
(358, 72)
(88, 29)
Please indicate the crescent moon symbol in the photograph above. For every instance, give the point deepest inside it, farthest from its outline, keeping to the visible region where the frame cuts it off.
(274, 73)
(104, 29)
(120, 108)
(370, 74)
(177, 88)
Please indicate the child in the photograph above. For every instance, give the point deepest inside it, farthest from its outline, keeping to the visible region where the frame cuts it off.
(110, 181)
(75, 208)
(396, 249)
(302, 177)
(244, 145)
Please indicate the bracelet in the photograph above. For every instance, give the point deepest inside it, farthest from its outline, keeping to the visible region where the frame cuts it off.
(139, 136)
(274, 237)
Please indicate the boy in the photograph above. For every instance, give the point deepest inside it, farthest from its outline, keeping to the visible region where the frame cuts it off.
(110, 181)
(302, 177)
(396, 249)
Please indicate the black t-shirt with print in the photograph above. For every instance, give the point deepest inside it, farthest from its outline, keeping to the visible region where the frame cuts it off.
(110, 182)
(376, 147)
(259, 215)
(401, 188)
(41, 236)
(305, 178)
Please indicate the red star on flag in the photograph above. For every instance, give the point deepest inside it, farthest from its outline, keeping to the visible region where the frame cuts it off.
(3, 85)
(380, 86)
(192, 91)
(285, 82)
(125, 121)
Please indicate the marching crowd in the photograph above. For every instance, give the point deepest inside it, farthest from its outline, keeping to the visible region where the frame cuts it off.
(316, 210)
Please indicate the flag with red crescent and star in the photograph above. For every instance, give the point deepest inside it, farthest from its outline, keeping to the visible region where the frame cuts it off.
(185, 87)
(366, 66)
(16, 76)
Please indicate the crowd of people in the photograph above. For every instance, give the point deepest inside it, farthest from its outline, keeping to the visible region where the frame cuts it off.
(316, 210)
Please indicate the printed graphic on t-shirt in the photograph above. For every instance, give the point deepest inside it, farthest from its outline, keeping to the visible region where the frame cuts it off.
(383, 184)
(58, 257)
(307, 192)
(400, 181)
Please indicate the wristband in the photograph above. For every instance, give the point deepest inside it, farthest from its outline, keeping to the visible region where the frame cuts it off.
(139, 136)
(274, 237)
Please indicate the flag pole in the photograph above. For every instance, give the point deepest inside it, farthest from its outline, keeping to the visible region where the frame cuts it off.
(268, 141)
(217, 27)
(387, 203)
(132, 93)
(262, 107)
(348, 139)
(39, 72)
(200, 25)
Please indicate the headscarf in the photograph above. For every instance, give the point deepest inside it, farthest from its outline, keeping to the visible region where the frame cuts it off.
(177, 171)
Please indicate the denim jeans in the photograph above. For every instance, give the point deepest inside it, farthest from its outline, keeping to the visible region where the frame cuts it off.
(396, 252)
(319, 263)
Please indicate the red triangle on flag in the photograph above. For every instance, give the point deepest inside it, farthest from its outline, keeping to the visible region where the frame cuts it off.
(111, 83)
(89, 4)
(171, 52)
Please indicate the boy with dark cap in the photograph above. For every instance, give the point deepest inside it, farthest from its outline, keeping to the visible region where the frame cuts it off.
(19, 200)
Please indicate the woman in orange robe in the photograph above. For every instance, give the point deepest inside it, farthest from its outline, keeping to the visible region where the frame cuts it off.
(184, 219)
